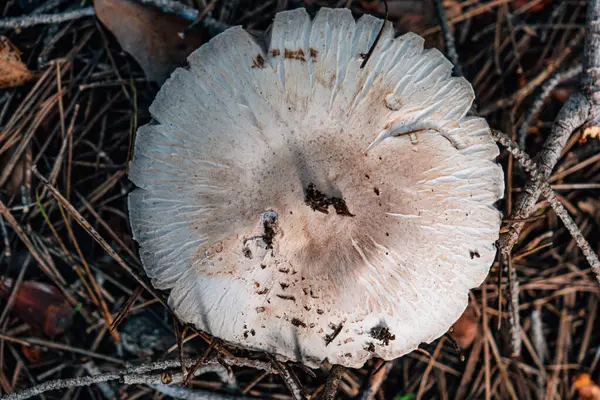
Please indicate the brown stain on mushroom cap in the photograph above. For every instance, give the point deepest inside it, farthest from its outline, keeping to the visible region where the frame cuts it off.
(314, 242)
(297, 54)
(326, 81)
(258, 62)
(324, 247)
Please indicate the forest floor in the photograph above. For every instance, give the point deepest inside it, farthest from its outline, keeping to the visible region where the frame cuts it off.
(76, 83)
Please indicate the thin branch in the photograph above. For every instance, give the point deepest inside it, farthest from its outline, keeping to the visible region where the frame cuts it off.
(290, 379)
(333, 382)
(372, 48)
(514, 319)
(376, 379)
(539, 344)
(95, 235)
(45, 19)
(547, 89)
(60, 384)
(549, 194)
(179, 392)
(591, 57)
(579, 109)
(140, 374)
(449, 42)
(212, 25)
(573, 114)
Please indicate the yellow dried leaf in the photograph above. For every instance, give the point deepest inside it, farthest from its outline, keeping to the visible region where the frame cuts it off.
(12, 71)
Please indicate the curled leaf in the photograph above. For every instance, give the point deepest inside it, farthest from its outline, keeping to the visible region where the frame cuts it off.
(12, 71)
(151, 37)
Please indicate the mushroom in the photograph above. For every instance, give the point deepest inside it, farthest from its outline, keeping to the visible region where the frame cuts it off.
(297, 202)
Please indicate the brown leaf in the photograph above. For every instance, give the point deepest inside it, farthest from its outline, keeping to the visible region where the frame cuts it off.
(464, 331)
(32, 353)
(12, 71)
(149, 35)
(41, 306)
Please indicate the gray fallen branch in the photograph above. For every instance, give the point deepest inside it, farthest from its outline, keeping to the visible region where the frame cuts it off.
(141, 374)
(179, 392)
(40, 19)
(513, 308)
(105, 388)
(449, 42)
(173, 7)
(157, 382)
(333, 382)
(539, 344)
(538, 103)
(60, 384)
(581, 108)
(213, 26)
(290, 379)
(591, 60)
(574, 113)
(545, 189)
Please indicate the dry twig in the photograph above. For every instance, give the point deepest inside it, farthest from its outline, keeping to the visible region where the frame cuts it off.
(140, 374)
(333, 382)
(546, 190)
(38, 19)
(580, 108)
(538, 103)
(449, 42)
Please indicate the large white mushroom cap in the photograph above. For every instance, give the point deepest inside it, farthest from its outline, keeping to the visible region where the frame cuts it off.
(297, 203)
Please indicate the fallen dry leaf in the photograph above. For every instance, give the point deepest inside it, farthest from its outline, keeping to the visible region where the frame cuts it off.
(586, 388)
(40, 305)
(12, 71)
(465, 330)
(32, 353)
(149, 35)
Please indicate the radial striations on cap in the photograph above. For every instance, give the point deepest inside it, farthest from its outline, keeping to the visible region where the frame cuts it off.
(296, 203)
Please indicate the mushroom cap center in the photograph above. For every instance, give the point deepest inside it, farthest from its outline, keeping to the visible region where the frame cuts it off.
(375, 186)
